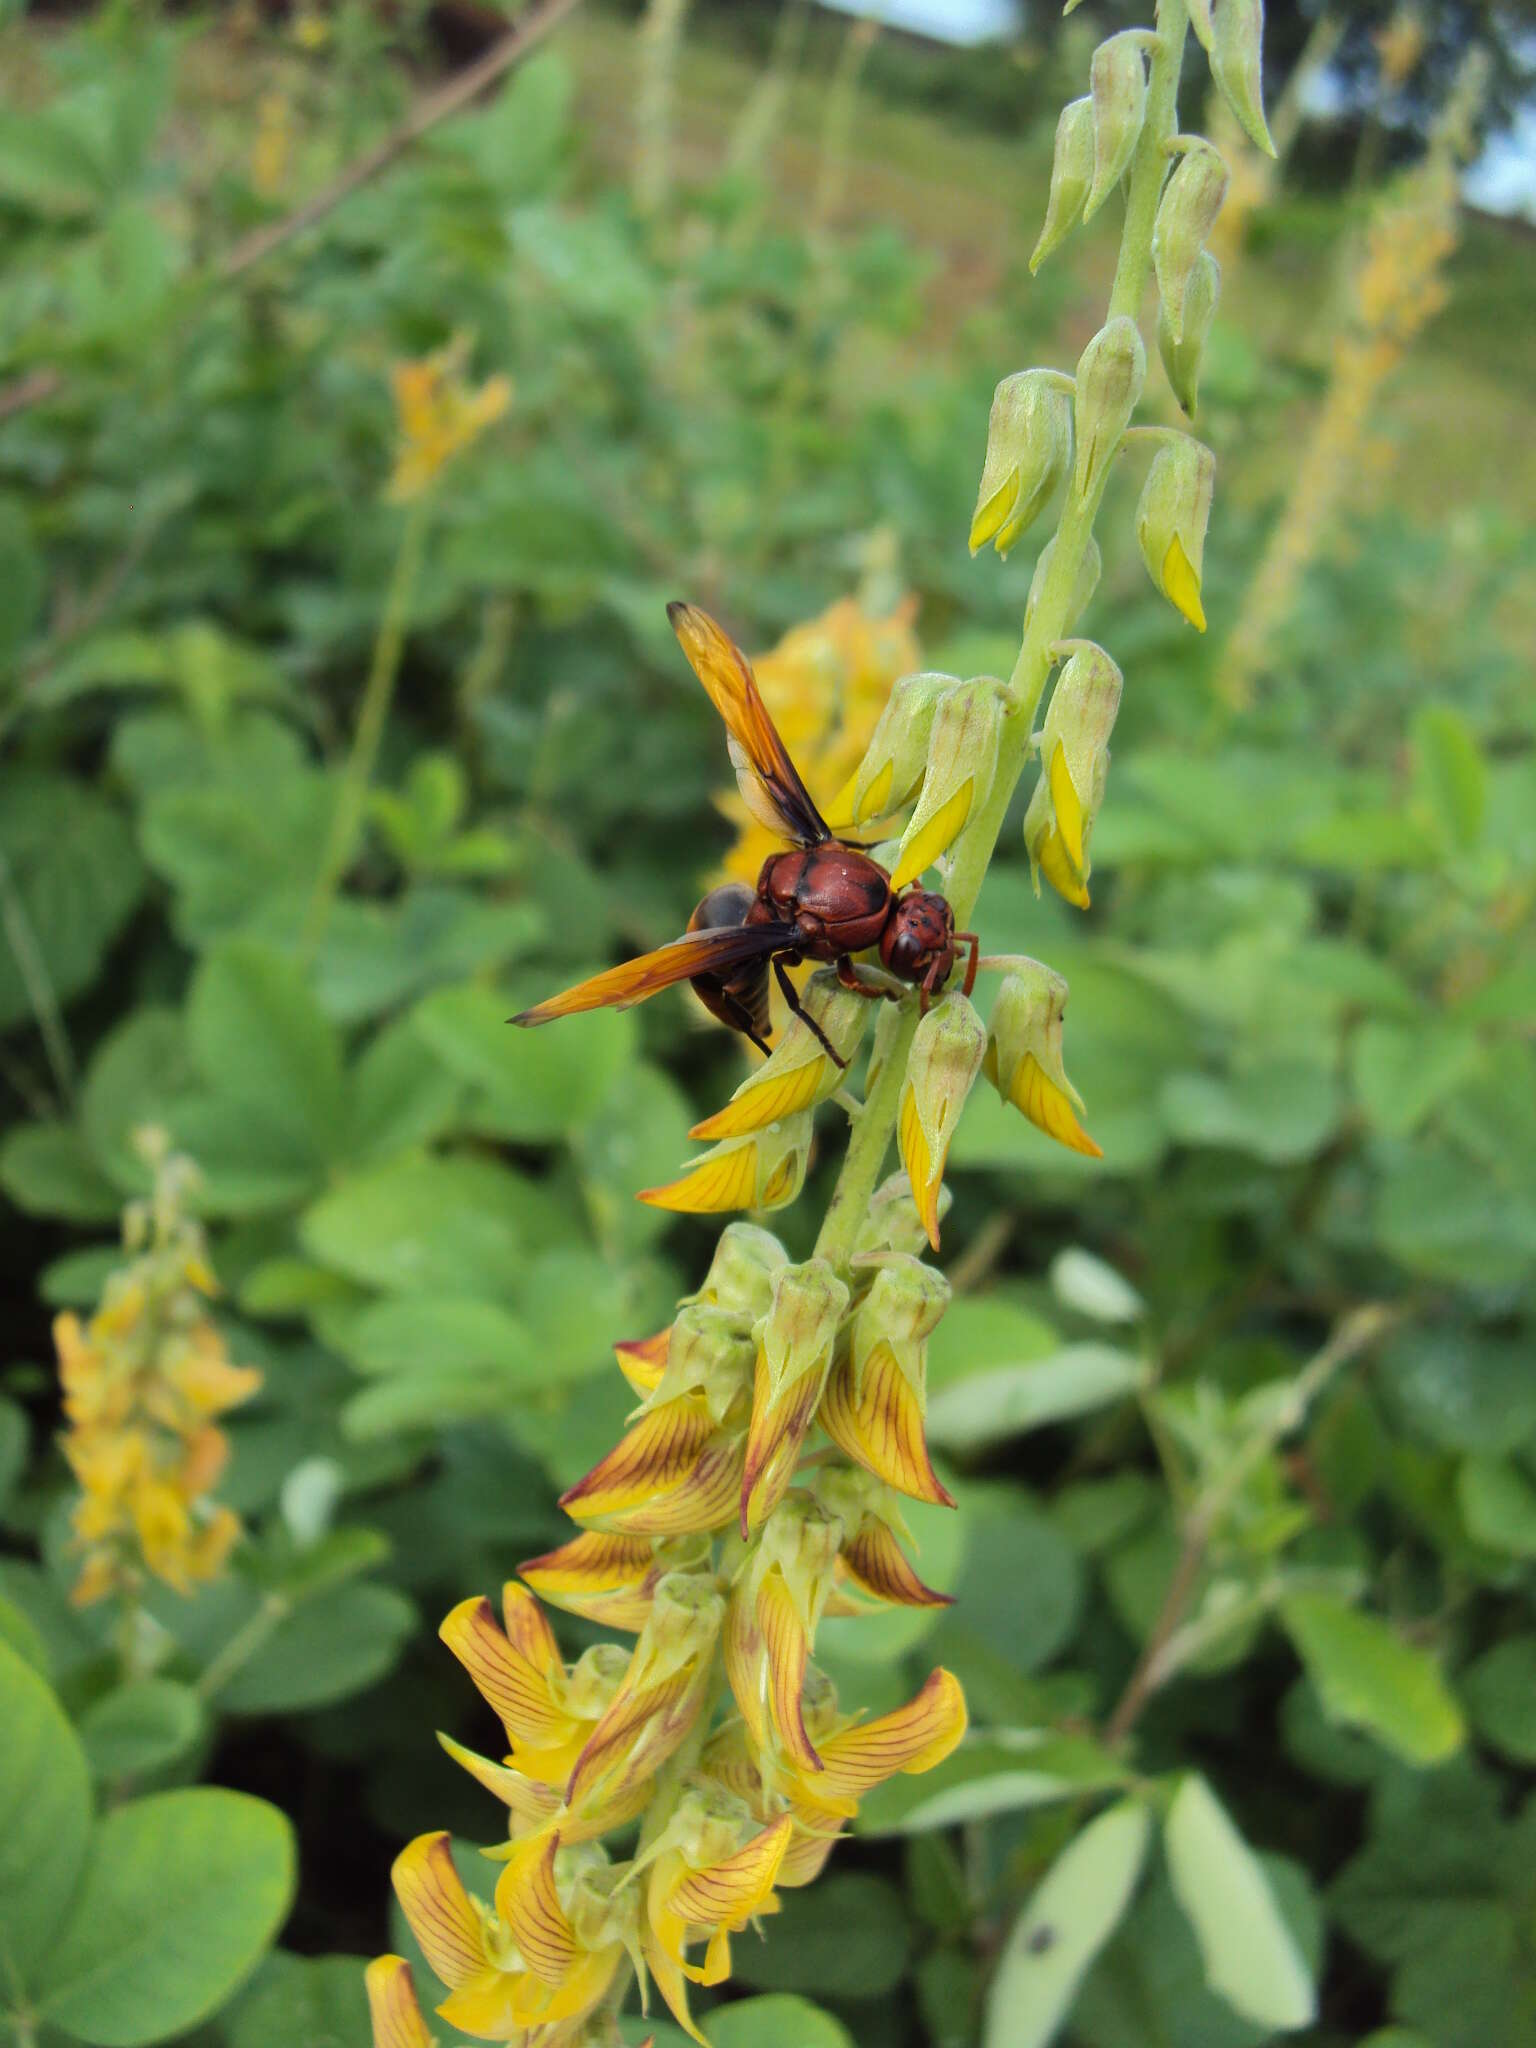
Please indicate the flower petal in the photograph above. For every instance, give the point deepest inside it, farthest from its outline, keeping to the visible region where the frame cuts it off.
(527, 1899)
(761, 1102)
(529, 1802)
(723, 1179)
(506, 1680)
(1047, 1107)
(875, 1561)
(643, 1360)
(392, 2006)
(786, 1651)
(910, 1739)
(777, 1430)
(600, 1574)
(728, 1893)
(657, 1454)
(934, 838)
(1181, 586)
(441, 1914)
(1067, 805)
(877, 1419)
(925, 1179)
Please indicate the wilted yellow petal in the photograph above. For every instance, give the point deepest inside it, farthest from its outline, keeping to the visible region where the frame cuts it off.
(762, 1102)
(936, 836)
(1048, 1107)
(1181, 586)
(926, 1180)
(724, 1180)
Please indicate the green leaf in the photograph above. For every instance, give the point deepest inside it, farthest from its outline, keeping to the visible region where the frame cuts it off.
(1094, 1288)
(45, 1816)
(182, 1894)
(22, 579)
(47, 1170)
(1006, 1770)
(74, 879)
(262, 1042)
(1451, 778)
(135, 1078)
(778, 2021)
(15, 1440)
(20, 1633)
(1074, 1910)
(426, 1226)
(1462, 1390)
(880, 1637)
(1498, 1505)
(984, 1330)
(1367, 1677)
(401, 1096)
(534, 1085)
(1279, 1111)
(140, 1727)
(1444, 1214)
(455, 1332)
(329, 1648)
(634, 1139)
(1402, 1071)
(1249, 1954)
(1500, 1690)
(988, 1407)
(847, 1936)
(302, 2002)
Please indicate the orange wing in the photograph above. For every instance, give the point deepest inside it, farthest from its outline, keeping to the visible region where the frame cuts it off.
(706, 952)
(769, 780)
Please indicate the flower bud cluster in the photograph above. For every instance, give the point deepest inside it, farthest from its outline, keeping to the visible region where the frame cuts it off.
(708, 1539)
(143, 1382)
(1074, 765)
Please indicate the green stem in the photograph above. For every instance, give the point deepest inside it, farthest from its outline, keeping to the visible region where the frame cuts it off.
(373, 712)
(1046, 624)
(242, 1645)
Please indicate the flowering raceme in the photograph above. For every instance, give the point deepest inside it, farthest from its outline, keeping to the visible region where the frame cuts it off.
(143, 1382)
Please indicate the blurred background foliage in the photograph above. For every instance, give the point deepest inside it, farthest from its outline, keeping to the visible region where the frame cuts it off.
(752, 308)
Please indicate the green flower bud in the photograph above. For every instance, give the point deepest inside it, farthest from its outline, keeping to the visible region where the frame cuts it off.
(1110, 374)
(711, 1352)
(902, 1309)
(1237, 54)
(798, 1332)
(941, 1067)
(1183, 358)
(893, 1223)
(1071, 177)
(799, 1072)
(764, 1170)
(1023, 1058)
(962, 761)
(1171, 520)
(1119, 84)
(1029, 445)
(741, 1272)
(1088, 572)
(1074, 763)
(1186, 213)
(892, 766)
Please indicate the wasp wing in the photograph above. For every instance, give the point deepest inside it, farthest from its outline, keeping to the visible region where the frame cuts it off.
(714, 950)
(769, 780)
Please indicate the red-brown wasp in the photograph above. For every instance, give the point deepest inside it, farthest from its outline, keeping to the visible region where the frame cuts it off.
(825, 900)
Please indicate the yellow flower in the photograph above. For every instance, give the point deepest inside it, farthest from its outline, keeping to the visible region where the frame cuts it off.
(437, 416)
(142, 1382)
(677, 1470)
(775, 1606)
(707, 1888)
(764, 1170)
(943, 1063)
(825, 685)
(393, 2006)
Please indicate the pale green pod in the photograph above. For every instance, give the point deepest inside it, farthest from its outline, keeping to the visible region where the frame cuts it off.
(1237, 59)
(1075, 1909)
(1119, 82)
(1184, 358)
(1186, 213)
(1071, 177)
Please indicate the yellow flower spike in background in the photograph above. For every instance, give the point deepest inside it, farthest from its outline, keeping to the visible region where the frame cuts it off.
(825, 684)
(962, 758)
(799, 1072)
(1074, 757)
(142, 1383)
(1024, 1059)
(437, 416)
(765, 1170)
(941, 1067)
(876, 1397)
(794, 1354)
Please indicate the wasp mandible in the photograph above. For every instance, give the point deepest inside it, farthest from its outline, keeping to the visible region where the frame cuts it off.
(824, 900)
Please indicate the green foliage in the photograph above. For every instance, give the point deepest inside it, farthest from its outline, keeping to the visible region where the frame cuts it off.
(1300, 1017)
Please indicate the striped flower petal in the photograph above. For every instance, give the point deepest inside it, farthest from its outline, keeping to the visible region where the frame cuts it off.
(600, 1574)
(909, 1740)
(392, 2005)
(874, 1560)
(643, 1360)
(510, 1683)
(442, 1915)
(876, 1418)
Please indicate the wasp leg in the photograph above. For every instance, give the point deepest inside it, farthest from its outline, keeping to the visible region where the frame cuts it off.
(973, 941)
(792, 997)
(930, 984)
(848, 975)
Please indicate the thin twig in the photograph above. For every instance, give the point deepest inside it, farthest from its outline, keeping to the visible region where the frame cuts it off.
(1357, 1333)
(448, 98)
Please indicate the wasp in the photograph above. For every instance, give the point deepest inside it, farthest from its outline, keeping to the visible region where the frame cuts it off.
(821, 899)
